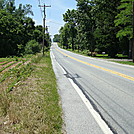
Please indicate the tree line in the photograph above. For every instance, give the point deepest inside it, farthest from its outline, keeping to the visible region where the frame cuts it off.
(18, 33)
(98, 26)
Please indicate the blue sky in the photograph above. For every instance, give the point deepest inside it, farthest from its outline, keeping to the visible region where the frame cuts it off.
(54, 14)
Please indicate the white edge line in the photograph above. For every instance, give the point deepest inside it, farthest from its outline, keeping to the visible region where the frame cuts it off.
(52, 55)
(104, 127)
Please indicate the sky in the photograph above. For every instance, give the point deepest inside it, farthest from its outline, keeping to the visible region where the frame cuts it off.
(54, 14)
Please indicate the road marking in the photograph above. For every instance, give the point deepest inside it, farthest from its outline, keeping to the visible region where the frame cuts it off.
(104, 127)
(104, 69)
(102, 124)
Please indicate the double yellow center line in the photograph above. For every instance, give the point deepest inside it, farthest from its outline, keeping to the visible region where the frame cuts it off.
(108, 70)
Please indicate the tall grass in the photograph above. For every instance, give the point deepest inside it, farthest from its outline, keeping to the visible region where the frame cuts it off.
(33, 106)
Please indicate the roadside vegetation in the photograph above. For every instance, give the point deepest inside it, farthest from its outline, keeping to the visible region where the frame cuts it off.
(119, 58)
(18, 33)
(124, 62)
(29, 101)
(98, 26)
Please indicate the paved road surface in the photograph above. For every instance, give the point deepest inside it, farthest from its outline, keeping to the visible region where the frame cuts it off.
(108, 86)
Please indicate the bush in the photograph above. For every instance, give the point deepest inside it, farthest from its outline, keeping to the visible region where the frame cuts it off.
(32, 47)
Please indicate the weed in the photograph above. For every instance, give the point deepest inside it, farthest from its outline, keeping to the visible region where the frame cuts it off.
(32, 106)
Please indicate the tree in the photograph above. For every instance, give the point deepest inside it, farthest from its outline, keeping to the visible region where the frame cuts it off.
(85, 25)
(124, 19)
(69, 17)
(16, 29)
(65, 36)
(2, 3)
(32, 47)
(10, 33)
(105, 33)
(56, 38)
(124, 22)
(93, 23)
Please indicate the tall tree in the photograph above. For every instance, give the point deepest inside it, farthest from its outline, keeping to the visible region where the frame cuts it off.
(69, 17)
(16, 29)
(124, 22)
(105, 12)
(65, 36)
(11, 34)
(85, 25)
(56, 38)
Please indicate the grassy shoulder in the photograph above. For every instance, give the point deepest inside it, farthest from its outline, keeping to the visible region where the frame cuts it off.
(32, 106)
(124, 62)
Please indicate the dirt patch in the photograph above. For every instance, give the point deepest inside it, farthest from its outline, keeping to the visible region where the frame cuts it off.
(33, 105)
(2, 62)
(12, 66)
(2, 66)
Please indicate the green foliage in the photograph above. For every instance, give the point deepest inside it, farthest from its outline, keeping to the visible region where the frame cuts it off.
(7, 66)
(56, 38)
(97, 24)
(32, 47)
(69, 31)
(124, 19)
(79, 30)
(19, 74)
(9, 26)
(36, 96)
(16, 29)
(65, 35)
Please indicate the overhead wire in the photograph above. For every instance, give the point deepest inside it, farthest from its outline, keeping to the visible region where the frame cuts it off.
(55, 22)
(40, 8)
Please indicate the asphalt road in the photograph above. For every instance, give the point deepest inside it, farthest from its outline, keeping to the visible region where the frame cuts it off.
(108, 86)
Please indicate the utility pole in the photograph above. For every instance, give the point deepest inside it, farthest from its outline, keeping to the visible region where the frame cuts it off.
(44, 19)
(47, 29)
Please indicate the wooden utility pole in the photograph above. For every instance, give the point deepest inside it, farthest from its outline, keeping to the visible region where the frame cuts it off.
(44, 19)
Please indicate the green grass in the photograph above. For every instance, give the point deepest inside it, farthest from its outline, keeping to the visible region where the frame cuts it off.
(124, 62)
(105, 56)
(7, 66)
(33, 104)
(122, 56)
(79, 52)
(4, 59)
(4, 63)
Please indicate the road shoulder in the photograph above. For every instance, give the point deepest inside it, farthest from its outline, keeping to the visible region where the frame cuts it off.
(76, 116)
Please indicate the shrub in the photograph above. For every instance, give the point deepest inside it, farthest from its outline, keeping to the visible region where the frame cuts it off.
(32, 47)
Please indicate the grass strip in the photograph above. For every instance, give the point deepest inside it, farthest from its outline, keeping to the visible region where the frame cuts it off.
(124, 62)
(8, 73)
(19, 74)
(4, 59)
(101, 56)
(4, 76)
(7, 66)
(33, 106)
(5, 63)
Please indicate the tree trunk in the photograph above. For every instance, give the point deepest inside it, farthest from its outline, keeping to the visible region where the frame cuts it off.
(130, 49)
(133, 49)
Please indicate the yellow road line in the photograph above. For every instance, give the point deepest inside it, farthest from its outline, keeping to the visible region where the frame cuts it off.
(105, 69)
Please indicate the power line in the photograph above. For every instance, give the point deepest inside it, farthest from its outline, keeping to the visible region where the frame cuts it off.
(44, 19)
(40, 8)
(55, 22)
